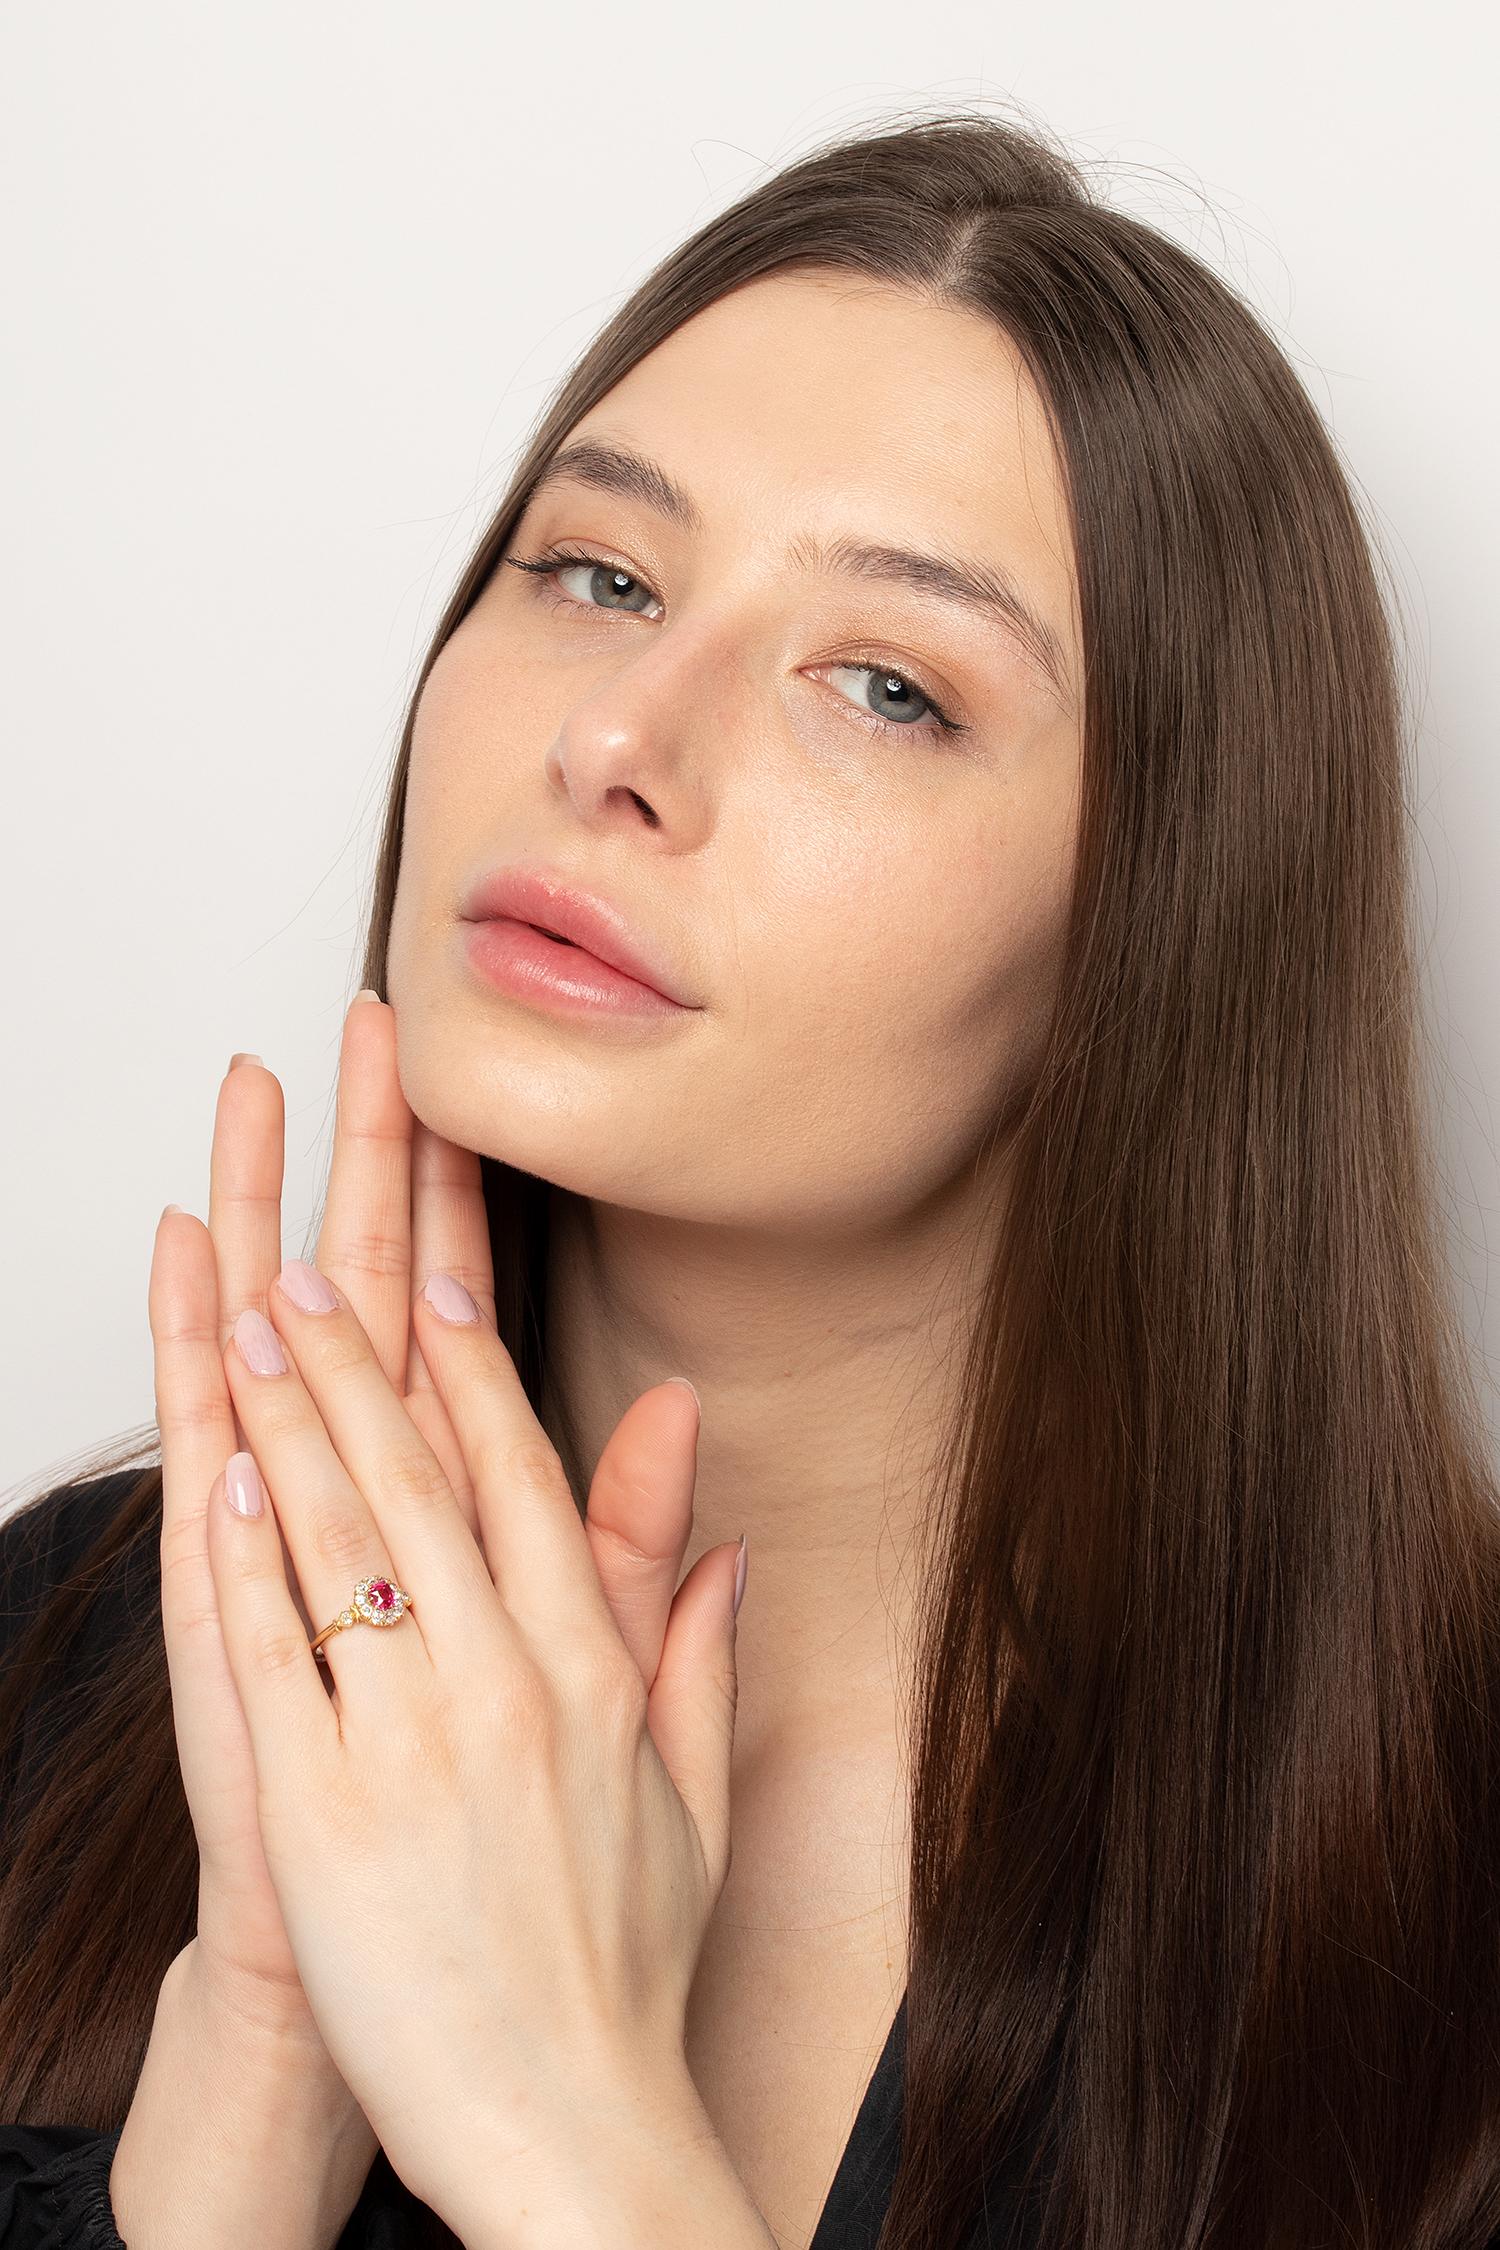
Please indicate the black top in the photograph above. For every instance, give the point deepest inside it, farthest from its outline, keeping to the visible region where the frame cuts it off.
(54, 2177)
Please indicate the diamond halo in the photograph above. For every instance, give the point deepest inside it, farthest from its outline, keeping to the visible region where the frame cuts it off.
(377, 1601)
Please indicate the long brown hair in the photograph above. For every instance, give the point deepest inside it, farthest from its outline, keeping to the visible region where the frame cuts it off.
(1205, 1726)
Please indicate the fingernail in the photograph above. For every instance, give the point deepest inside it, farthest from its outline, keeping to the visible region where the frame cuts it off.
(236, 1060)
(242, 1486)
(448, 1298)
(739, 1576)
(260, 1346)
(687, 1386)
(367, 992)
(167, 1209)
(306, 1287)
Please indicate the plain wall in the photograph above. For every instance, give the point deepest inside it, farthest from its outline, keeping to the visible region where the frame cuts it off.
(285, 286)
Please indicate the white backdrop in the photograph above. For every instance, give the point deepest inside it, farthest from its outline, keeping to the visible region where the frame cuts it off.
(286, 284)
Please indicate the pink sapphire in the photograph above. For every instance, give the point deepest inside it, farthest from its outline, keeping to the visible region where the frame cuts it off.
(381, 1592)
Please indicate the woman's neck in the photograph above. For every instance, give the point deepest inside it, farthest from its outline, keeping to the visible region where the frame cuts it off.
(826, 1378)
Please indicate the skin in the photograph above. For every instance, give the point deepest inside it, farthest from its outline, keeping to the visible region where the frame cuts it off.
(235, 2047)
(775, 1194)
(772, 1194)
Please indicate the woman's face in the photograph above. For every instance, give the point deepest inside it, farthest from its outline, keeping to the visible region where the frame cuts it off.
(867, 917)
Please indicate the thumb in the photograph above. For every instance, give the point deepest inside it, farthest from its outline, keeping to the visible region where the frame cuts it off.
(690, 1709)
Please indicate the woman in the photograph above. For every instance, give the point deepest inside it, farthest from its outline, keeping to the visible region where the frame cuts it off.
(934, 620)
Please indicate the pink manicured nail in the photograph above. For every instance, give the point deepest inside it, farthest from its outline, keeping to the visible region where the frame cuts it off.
(306, 1287)
(242, 1486)
(449, 1299)
(739, 1576)
(260, 1346)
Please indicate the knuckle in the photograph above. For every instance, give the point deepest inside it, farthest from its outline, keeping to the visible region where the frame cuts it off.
(274, 1652)
(533, 1461)
(184, 1556)
(191, 1624)
(373, 1256)
(342, 1350)
(189, 1605)
(519, 1702)
(193, 1414)
(339, 1534)
(609, 1692)
(185, 1332)
(622, 1553)
(418, 1480)
(281, 1414)
(424, 1740)
(256, 1200)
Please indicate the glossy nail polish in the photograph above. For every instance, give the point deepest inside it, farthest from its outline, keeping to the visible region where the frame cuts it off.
(260, 1346)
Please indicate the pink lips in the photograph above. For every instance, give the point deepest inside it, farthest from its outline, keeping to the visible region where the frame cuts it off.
(592, 962)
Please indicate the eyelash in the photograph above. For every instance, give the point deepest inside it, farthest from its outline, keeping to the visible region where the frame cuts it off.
(546, 566)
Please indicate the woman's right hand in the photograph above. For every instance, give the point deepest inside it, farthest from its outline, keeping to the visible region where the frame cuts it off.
(402, 1203)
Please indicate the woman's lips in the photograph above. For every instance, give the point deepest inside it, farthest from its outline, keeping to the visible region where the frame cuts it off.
(527, 891)
(553, 974)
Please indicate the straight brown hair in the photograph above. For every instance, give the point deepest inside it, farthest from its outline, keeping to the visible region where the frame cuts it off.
(1205, 1726)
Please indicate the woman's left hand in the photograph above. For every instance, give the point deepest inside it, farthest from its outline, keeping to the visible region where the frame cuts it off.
(497, 1856)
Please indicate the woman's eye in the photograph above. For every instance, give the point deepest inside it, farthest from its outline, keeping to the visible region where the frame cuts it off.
(607, 586)
(892, 697)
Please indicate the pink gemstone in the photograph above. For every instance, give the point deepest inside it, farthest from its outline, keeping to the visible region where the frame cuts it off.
(381, 1592)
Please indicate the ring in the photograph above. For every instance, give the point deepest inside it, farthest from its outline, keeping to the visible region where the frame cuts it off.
(377, 1601)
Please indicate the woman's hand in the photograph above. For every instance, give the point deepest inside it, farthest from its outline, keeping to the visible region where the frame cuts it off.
(402, 1202)
(397, 1194)
(496, 1854)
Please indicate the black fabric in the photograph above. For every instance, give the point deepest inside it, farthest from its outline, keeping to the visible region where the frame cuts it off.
(54, 2187)
(54, 2178)
(54, 2184)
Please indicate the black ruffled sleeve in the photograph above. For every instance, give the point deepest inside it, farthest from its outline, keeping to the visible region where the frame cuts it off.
(54, 2188)
(54, 2195)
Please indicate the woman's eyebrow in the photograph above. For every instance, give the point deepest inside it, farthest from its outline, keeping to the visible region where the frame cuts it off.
(981, 588)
